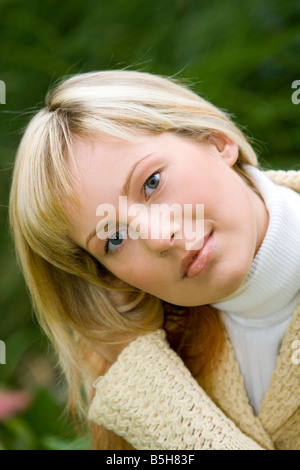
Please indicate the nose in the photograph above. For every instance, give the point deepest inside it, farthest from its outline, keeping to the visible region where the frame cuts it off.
(160, 245)
(159, 234)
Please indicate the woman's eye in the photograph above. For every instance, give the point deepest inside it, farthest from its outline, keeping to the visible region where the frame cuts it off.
(151, 183)
(113, 243)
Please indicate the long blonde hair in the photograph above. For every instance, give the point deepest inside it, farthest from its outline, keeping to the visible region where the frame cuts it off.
(70, 290)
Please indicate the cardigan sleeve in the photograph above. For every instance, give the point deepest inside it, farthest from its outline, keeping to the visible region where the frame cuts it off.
(149, 397)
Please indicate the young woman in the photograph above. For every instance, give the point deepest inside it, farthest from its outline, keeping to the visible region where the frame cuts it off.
(192, 345)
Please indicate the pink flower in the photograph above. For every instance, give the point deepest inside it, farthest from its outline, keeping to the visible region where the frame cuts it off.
(12, 403)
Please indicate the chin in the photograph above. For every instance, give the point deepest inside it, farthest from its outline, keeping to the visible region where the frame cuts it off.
(228, 281)
(236, 279)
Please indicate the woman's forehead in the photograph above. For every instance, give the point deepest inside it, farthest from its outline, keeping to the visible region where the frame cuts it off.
(106, 160)
(100, 170)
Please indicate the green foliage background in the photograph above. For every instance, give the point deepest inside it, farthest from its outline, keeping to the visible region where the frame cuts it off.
(241, 55)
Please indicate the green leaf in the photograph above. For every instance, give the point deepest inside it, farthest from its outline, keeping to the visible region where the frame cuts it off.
(54, 443)
(19, 435)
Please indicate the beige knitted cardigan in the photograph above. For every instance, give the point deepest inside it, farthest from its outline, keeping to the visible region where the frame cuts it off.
(150, 398)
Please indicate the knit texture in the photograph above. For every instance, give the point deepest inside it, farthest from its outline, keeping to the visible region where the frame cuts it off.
(150, 398)
(160, 405)
(279, 411)
(277, 425)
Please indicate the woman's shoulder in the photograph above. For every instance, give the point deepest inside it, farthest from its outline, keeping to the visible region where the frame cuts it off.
(289, 178)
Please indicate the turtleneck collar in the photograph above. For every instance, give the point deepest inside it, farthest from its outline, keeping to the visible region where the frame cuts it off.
(272, 286)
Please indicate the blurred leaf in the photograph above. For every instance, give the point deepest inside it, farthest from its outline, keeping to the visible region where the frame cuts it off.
(45, 415)
(41, 426)
(19, 435)
(16, 345)
(54, 443)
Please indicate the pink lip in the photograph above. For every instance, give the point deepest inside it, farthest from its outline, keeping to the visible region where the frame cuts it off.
(191, 267)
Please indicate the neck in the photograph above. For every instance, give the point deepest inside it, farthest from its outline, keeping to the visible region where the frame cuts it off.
(272, 283)
(262, 218)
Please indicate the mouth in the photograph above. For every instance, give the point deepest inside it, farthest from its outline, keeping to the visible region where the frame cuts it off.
(196, 260)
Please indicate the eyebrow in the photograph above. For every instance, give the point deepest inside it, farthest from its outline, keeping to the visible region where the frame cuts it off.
(124, 192)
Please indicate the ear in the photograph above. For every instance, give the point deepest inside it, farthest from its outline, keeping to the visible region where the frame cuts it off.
(226, 148)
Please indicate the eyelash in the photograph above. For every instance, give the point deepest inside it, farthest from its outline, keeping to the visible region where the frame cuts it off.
(106, 251)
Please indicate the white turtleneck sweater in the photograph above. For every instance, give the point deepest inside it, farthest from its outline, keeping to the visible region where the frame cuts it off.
(257, 314)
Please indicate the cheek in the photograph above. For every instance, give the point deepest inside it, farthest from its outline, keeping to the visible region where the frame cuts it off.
(135, 268)
(235, 202)
(146, 275)
(235, 221)
(140, 280)
(237, 245)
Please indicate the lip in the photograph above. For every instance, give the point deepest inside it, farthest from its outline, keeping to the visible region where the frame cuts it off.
(191, 267)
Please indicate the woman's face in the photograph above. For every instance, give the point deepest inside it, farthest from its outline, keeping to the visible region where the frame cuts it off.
(170, 169)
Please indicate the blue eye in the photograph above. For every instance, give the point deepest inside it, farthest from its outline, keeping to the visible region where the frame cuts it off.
(151, 183)
(112, 244)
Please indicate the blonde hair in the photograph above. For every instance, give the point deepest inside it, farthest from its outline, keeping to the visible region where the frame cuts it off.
(70, 290)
